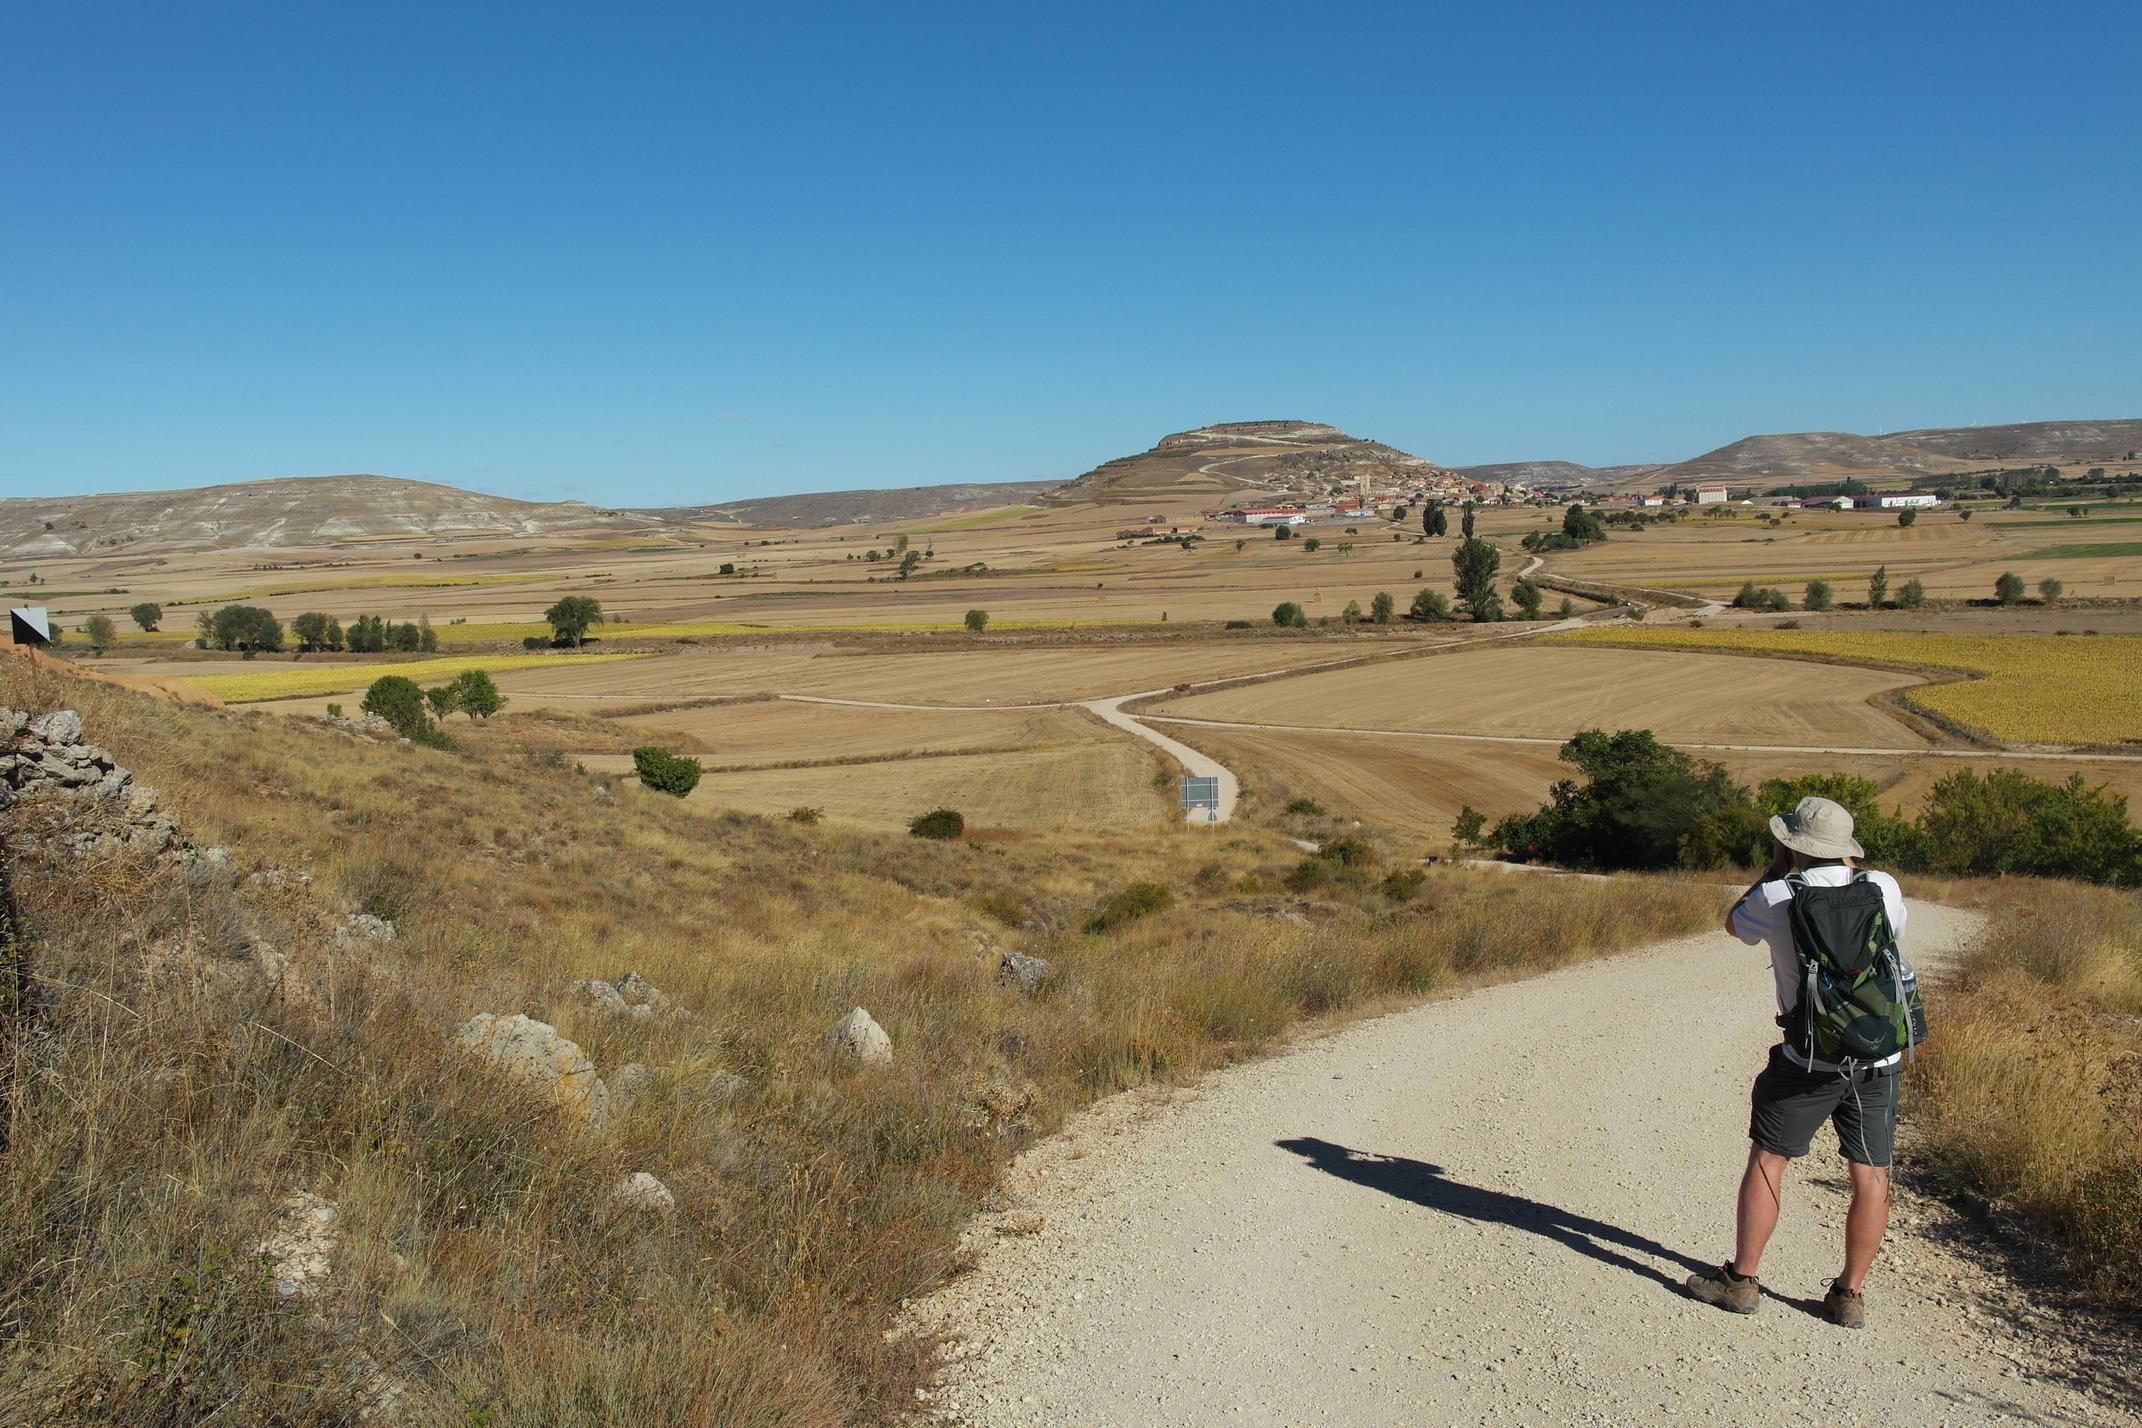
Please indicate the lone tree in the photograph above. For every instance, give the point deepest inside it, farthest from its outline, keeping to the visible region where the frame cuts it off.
(245, 627)
(148, 614)
(2048, 590)
(398, 701)
(102, 636)
(1382, 607)
(572, 617)
(1475, 562)
(1289, 616)
(1906, 517)
(476, 694)
(665, 772)
(977, 620)
(2009, 588)
(1526, 596)
(1878, 588)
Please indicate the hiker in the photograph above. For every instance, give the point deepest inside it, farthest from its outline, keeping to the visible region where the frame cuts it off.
(1848, 1003)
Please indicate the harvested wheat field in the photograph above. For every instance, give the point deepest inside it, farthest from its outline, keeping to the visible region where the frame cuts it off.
(998, 674)
(783, 731)
(1104, 782)
(1546, 692)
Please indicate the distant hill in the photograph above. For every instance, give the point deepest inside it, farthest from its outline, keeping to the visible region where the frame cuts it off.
(288, 512)
(1809, 456)
(841, 508)
(1553, 474)
(1207, 465)
(2053, 441)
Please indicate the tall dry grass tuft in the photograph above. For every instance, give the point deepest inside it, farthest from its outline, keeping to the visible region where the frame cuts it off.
(2032, 1086)
(204, 1047)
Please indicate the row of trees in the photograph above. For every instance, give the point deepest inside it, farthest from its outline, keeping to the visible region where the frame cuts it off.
(1911, 595)
(1644, 804)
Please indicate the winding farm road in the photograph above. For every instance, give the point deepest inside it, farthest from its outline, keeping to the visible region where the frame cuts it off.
(1479, 1211)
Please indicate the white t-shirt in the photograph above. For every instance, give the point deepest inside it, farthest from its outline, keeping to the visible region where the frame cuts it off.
(1765, 916)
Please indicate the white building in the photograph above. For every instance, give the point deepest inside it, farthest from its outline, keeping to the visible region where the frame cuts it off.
(1899, 501)
(1711, 495)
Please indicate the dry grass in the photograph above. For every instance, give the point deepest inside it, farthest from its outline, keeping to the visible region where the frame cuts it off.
(172, 1090)
(298, 681)
(2032, 1083)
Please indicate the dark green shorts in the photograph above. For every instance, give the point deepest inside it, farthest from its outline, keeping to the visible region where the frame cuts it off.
(1791, 1105)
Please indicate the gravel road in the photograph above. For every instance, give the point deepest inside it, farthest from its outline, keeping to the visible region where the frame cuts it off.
(1477, 1211)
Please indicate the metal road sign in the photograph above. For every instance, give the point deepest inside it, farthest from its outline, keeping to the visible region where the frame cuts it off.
(1201, 793)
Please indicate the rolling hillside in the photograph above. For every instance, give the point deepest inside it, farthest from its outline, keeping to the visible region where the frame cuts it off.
(2054, 441)
(840, 508)
(298, 511)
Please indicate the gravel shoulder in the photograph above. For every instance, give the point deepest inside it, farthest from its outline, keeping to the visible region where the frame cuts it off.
(1478, 1211)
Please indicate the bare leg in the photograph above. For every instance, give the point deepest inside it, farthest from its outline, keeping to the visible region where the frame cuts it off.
(1762, 1188)
(1864, 1223)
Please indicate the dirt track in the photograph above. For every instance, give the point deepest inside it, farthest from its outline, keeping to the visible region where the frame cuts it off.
(1477, 1211)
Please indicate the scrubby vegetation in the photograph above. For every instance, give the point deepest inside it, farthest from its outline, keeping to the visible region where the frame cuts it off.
(202, 1045)
(1643, 804)
(939, 824)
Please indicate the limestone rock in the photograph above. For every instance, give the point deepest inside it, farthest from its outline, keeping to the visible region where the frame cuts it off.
(641, 1191)
(362, 929)
(1028, 974)
(857, 1037)
(532, 1051)
(62, 726)
(602, 996)
(302, 1244)
(628, 1084)
(631, 995)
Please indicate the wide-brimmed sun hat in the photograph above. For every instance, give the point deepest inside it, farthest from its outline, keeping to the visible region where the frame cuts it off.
(1818, 827)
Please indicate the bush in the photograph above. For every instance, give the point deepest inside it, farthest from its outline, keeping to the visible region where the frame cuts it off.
(1289, 615)
(1429, 606)
(805, 814)
(1308, 875)
(1303, 808)
(1238, 625)
(1404, 884)
(2009, 588)
(1312, 544)
(977, 621)
(2008, 822)
(938, 823)
(1348, 852)
(1819, 596)
(148, 614)
(665, 772)
(1912, 595)
(476, 694)
(1642, 805)
(102, 635)
(534, 642)
(1128, 904)
(1767, 598)
(398, 701)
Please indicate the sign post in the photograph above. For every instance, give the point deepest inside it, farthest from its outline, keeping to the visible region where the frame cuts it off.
(1202, 793)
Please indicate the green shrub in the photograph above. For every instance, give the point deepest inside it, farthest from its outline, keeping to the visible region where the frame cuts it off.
(1404, 884)
(1308, 875)
(1304, 808)
(665, 772)
(1348, 852)
(1000, 905)
(805, 814)
(939, 823)
(1238, 625)
(977, 621)
(1128, 904)
(2009, 588)
(1819, 596)
(1289, 615)
(1912, 595)
(397, 700)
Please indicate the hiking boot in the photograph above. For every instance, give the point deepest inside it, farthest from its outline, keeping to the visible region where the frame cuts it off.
(1846, 1309)
(1728, 1290)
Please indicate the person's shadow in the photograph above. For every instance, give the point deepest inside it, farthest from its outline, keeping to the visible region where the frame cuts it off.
(1425, 1184)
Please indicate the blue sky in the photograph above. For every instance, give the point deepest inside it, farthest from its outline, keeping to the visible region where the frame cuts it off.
(642, 253)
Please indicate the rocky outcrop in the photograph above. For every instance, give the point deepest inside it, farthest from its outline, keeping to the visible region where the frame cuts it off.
(858, 1038)
(641, 1191)
(363, 929)
(92, 804)
(628, 1084)
(631, 996)
(534, 1053)
(301, 1244)
(1028, 974)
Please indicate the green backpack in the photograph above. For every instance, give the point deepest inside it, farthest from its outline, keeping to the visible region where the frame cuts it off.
(1859, 999)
